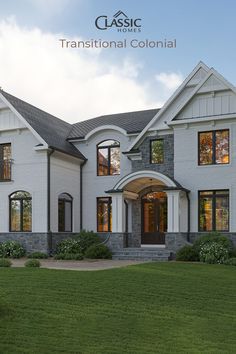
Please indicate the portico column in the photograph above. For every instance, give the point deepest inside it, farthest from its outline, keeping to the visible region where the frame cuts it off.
(173, 210)
(118, 212)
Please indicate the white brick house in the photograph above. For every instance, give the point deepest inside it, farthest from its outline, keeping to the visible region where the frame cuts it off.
(152, 178)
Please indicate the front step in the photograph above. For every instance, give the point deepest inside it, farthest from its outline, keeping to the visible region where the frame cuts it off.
(143, 254)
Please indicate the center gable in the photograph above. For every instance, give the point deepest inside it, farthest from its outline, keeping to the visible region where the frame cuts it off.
(214, 98)
(161, 120)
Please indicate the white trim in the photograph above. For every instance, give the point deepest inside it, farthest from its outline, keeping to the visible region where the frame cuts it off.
(141, 174)
(203, 119)
(199, 66)
(23, 120)
(105, 127)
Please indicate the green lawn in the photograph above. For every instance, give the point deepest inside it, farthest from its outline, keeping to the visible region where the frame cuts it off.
(148, 308)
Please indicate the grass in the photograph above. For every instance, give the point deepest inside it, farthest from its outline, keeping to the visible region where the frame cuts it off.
(147, 308)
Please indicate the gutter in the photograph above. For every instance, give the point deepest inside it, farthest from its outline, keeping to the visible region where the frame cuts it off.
(49, 153)
(81, 194)
(188, 228)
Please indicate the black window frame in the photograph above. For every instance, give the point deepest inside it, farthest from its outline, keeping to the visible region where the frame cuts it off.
(109, 147)
(70, 201)
(214, 196)
(2, 162)
(21, 199)
(150, 147)
(213, 147)
(109, 208)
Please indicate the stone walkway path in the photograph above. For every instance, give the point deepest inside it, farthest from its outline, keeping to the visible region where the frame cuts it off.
(77, 265)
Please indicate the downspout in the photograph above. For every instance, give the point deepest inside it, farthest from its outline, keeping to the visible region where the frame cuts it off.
(81, 195)
(188, 227)
(50, 152)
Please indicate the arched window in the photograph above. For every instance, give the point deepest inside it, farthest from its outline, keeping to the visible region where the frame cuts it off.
(20, 212)
(65, 212)
(108, 158)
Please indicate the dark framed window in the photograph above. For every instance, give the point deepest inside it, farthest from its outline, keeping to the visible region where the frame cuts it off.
(157, 151)
(20, 212)
(213, 147)
(213, 210)
(5, 162)
(104, 214)
(108, 158)
(65, 212)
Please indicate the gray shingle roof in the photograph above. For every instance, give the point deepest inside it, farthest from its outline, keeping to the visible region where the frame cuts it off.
(53, 130)
(131, 122)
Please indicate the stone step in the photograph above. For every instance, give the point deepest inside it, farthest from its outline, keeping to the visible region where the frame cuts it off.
(142, 254)
(144, 259)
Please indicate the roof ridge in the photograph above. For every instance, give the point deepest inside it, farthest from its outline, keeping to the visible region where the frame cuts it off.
(114, 114)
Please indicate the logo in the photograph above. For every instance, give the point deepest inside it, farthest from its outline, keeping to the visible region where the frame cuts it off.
(120, 21)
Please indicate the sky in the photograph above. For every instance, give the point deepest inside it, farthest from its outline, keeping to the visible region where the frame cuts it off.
(78, 84)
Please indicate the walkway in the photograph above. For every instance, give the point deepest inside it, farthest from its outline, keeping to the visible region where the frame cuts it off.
(77, 265)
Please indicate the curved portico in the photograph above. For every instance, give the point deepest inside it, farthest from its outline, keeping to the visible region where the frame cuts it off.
(134, 189)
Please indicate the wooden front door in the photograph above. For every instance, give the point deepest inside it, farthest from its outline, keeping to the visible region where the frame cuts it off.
(154, 218)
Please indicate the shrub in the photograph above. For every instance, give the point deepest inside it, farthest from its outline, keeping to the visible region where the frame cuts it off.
(98, 252)
(69, 256)
(38, 255)
(68, 246)
(79, 245)
(188, 254)
(11, 249)
(33, 263)
(5, 262)
(87, 239)
(231, 261)
(232, 253)
(213, 237)
(213, 252)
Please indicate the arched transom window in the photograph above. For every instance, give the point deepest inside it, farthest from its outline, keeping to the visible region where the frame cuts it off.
(20, 212)
(108, 158)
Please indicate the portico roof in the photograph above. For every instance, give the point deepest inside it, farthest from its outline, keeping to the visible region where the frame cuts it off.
(137, 181)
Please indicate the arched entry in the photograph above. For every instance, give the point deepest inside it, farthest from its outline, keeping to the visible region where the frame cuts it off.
(154, 218)
(154, 201)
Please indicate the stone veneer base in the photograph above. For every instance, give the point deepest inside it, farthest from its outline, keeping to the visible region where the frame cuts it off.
(46, 242)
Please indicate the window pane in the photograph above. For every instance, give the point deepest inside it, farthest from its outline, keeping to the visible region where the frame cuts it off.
(109, 143)
(15, 215)
(222, 213)
(68, 216)
(5, 161)
(205, 148)
(103, 162)
(205, 214)
(149, 217)
(102, 215)
(115, 161)
(222, 146)
(27, 215)
(157, 151)
(206, 193)
(20, 195)
(61, 213)
(7, 152)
